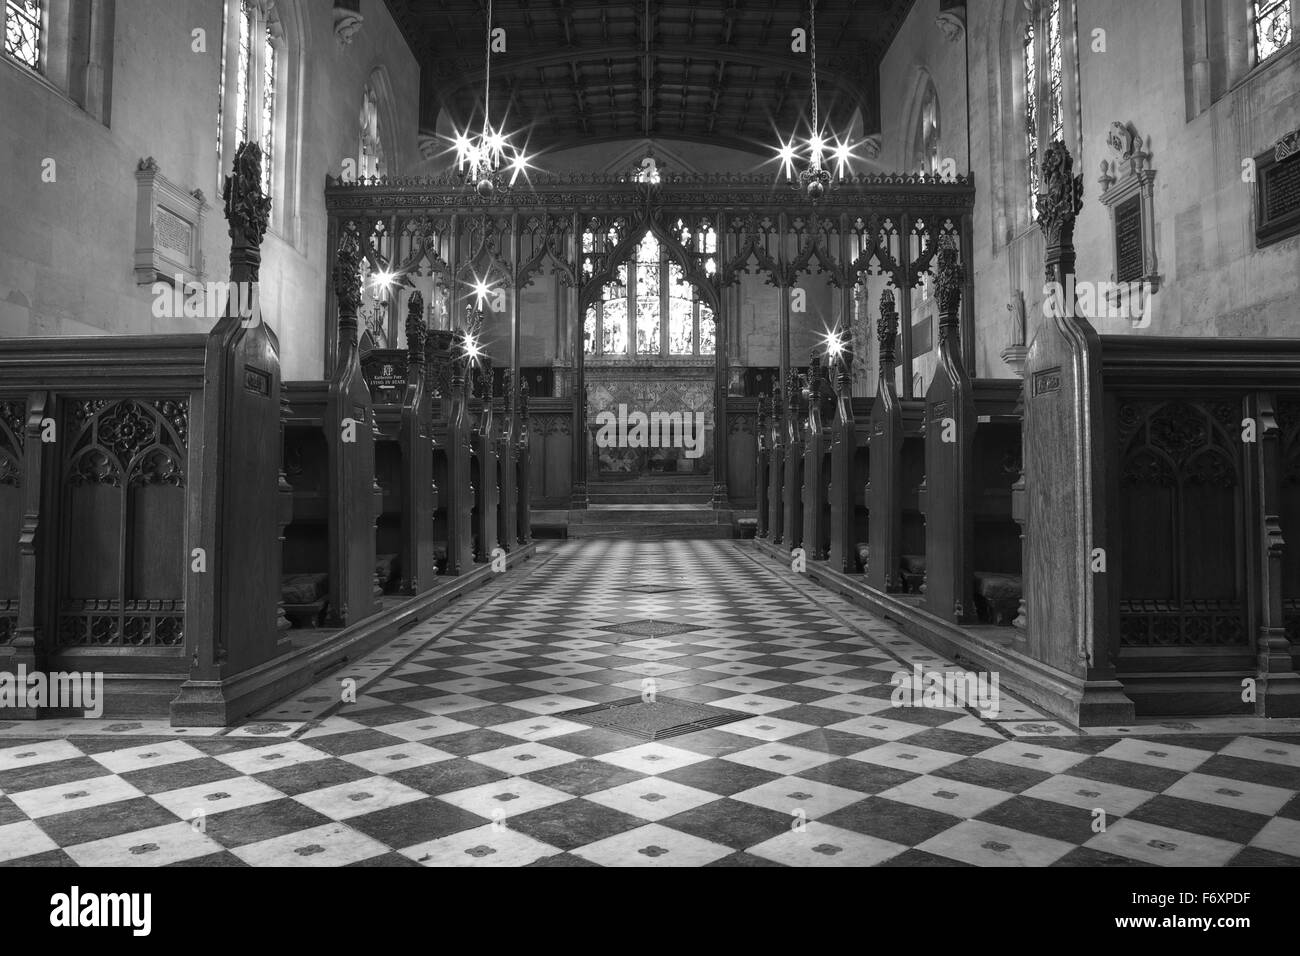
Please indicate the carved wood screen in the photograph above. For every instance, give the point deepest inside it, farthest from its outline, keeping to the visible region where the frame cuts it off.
(1288, 419)
(435, 236)
(12, 424)
(1182, 524)
(122, 478)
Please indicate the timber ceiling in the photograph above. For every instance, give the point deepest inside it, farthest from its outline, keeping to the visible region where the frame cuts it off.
(721, 71)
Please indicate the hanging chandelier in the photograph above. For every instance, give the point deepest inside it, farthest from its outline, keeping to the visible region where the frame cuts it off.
(804, 162)
(484, 159)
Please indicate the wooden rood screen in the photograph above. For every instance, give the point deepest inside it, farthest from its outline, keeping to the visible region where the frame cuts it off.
(450, 245)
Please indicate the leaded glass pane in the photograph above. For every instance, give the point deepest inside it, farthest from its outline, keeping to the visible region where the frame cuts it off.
(1272, 27)
(648, 272)
(268, 109)
(244, 73)
(589, 331)
(1055, 74)
(614, 331)
(708, 337)
(681, 313)
(1031, 117)
(23, 32)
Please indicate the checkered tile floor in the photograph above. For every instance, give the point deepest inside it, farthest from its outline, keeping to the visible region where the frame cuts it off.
(456, 751)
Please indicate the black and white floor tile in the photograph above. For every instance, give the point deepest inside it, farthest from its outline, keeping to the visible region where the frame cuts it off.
(454, 749)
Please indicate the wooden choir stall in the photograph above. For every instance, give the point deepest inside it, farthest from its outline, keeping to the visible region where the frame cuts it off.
(149, 535)
(1116, 534)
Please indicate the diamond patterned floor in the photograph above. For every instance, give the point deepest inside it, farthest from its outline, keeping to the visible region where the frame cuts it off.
(456, 751)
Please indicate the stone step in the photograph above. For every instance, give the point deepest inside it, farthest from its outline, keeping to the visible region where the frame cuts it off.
(663, 498)
(649, 532)
(648, 515)
(634, 486)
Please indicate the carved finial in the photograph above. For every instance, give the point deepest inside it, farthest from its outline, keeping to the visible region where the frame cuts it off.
(347, 275)
(416, 333)
(508, 387)
(762, 409)
(1062, 196)
(949, 281)
(887, 328)
(483, 384)
(248, 210)
(524, 392)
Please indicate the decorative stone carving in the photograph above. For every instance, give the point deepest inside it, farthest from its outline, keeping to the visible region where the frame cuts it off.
(168, 228)
(1128, 190)
(952, 24)
(871, 146)
(347, 20)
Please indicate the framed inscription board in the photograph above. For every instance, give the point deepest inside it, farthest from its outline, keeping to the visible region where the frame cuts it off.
(1130, 258)
(1277, 194)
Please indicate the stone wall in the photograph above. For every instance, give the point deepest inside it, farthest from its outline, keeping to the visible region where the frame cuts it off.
(67, 247)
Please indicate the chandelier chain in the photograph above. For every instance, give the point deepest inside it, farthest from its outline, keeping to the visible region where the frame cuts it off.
(812, 23)
(487, 72)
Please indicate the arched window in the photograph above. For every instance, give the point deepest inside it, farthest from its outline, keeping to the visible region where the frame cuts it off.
(258, 98)
(24, 32)
(925, 137)
(1044, 73)
(650, 310)
(255, 75)
(370, 161)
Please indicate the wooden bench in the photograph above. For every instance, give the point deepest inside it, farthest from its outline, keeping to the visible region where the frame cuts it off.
(792, 481)
(819, 400)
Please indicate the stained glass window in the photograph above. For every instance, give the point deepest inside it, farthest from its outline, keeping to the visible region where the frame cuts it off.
(23, 28)
(1056, 95)
(1031, 115)
(681, 313)
(257, 52)
(648, 292)
(651, 290)
(244, 76)
(268, 108)
(1272, 27)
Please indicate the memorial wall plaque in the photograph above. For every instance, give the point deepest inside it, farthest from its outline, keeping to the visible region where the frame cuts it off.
(1130, 257)
(1277, 197)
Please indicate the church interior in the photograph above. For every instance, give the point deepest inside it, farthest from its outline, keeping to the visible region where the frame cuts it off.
(650, 433)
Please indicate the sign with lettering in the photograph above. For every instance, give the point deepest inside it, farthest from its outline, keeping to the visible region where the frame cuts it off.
(1130, 255)
(1277, 196)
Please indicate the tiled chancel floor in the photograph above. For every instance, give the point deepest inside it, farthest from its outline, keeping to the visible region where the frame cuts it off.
(456, 750)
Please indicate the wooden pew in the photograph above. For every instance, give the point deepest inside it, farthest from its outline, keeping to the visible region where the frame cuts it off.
(972, 460)
(996, 467)
(484, 468)
(885, 487)
(846, 486)
(329, 461)
(792, 480)
(523, 469)
(776, 467)
(950, 423)
(762, 457)
(385, 372)
(139, 507)
(815, 492)
(454, 442)
(508, 467)
(407, 559)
